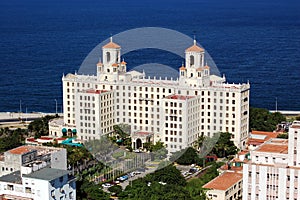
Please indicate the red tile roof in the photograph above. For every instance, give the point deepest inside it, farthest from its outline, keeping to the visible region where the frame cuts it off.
(99, 64)
(273, 148)
(194, 48)
(224, 181)
(20, 150)
(179, 97)
(206, 67)
(96, 91)
(256, 141)
(182, 68)
(111, 45)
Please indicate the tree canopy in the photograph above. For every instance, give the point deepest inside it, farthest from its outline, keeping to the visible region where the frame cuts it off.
(224, 146)
(40, 127)
(164, 184)
(186, 157)
(262, 120)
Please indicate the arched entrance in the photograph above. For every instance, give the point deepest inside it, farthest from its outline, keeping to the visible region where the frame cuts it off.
(138, 143)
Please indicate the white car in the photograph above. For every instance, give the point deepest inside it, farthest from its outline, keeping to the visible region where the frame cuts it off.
(106, 185)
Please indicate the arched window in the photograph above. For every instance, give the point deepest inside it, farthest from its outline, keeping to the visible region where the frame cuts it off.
(107, 57)
(192, 60)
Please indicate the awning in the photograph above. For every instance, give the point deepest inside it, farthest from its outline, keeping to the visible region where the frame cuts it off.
(64, 130)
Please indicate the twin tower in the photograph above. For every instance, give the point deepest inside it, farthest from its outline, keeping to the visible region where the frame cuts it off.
(194, 73)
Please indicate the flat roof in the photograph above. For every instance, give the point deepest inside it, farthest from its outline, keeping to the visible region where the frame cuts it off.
(47, 174)
(274, 146)
(224, 181)
(41, 150)
(21, 150)
(259, 137)
(14, 177)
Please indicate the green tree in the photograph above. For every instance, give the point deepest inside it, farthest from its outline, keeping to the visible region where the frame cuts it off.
(158, 150)
(116, 189)
(151, 186)
(40, 127)
(224, 146)
(283, 135)
(90, 191)
(186, 157)
(262, 120)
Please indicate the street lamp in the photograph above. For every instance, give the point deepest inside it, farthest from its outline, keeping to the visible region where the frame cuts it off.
(55, 106)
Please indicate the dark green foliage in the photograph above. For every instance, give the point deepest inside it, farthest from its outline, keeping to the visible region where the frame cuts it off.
(187, 156)
(90, 191)
(194, 186)
(40, 127)
(140, 189)
(262, 120)
(116, 189)
(11, 139)
(169, 175)
(77, 155)
(158, 150)
(224, 146)
(122, 136)
(283, 135)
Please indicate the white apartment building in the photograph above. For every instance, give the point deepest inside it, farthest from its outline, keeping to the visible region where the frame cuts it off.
(34, 173)
(34, 156)
(274, 169)
(131, 98)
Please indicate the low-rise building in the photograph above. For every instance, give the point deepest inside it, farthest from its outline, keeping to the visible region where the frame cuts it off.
(227, 186)
(12, 160)
(257, 138)
(46, 183)
(34, 173)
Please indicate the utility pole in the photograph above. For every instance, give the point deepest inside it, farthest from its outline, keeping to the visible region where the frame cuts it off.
(276, 104)
(55, 106)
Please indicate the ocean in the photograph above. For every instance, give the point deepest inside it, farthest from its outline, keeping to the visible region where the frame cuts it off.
(256, 41)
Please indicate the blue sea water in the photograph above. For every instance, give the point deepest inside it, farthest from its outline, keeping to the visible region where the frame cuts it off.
(257, 40)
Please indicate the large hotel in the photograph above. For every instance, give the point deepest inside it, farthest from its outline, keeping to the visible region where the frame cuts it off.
(174, 112)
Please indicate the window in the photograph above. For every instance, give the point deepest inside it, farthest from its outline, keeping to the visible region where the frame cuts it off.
(27, 190)
(107, 57)
(192, 60)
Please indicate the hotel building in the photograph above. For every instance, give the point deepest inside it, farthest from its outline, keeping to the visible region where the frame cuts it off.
(274, 169)
(174, 112)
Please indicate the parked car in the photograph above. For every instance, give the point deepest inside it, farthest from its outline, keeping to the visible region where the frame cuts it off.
(123, 178)
(106, 185)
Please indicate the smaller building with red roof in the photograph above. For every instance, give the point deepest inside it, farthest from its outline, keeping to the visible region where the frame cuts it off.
(226, 186)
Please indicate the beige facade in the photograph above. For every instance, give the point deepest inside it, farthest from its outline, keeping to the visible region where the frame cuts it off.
(140, 101)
